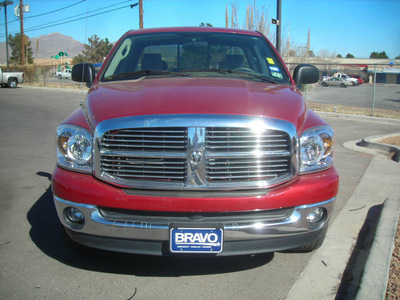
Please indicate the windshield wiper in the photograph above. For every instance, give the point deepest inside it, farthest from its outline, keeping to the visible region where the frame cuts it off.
(253, 75)
(143, 73)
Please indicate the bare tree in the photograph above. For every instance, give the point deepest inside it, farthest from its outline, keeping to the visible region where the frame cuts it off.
(257, 19)
(234, 17)
(226, 17)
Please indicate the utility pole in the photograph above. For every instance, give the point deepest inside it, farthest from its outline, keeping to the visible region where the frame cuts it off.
(278, 25)
(21, 11)
(5, 3)
(141, 14)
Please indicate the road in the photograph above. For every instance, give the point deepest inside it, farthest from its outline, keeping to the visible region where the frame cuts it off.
(387, 96)
(35, 264)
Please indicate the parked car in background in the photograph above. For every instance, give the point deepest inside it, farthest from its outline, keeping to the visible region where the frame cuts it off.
(359, 78)
(346, 77)
(11, 79)
(66, 74)
(335, 81)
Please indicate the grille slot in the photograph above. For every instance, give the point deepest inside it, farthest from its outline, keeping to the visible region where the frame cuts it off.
(237, 169)
(146, 139)
(240, 154)
(131, 168)
(245, 140)
(144, 154)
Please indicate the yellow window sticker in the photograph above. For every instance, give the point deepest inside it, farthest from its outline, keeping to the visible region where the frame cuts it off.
(270, 61)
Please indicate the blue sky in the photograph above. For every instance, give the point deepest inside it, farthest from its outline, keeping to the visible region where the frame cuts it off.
(358, 27)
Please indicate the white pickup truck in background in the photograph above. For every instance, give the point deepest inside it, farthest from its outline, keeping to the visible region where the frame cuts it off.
(65, 74)
(353, 81)
(11, 79)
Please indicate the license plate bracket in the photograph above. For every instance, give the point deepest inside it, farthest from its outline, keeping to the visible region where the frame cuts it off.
(196, 240)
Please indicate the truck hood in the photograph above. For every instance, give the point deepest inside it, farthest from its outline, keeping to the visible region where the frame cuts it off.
(193, 96)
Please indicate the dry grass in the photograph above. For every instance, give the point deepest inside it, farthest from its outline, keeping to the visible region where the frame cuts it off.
(65, 85)
(380, 113)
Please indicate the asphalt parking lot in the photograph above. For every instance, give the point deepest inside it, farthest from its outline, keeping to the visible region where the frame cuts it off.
(35, 264)
(387, 96)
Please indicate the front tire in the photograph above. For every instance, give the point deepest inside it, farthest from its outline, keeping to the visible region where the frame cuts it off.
(315, 244)
(324, 84)
(343, 85)
(69, 242)
(12, 83)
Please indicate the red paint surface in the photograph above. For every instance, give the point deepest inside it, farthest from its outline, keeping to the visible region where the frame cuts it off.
(306, 189)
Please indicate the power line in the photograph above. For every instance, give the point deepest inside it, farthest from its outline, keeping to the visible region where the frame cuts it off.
(57, 23)
(50, 12)
(82, 14)
(70, 21)
(47, 13)
(105, 7)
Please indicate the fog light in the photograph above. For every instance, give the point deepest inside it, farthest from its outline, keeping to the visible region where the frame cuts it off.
(315, 217)
(74, 215)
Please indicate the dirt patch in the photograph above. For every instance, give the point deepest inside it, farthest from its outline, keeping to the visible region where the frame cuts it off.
(393, 140)
(393, 288)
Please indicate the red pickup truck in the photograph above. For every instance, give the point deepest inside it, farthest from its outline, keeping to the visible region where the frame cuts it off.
(194, 141)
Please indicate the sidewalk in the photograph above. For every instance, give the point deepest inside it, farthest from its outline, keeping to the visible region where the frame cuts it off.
(355, 258)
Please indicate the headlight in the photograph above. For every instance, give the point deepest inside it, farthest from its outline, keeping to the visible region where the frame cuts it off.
(74, 148)
(316, 149)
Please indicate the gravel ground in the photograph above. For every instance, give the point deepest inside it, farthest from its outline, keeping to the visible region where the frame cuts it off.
(393, 288)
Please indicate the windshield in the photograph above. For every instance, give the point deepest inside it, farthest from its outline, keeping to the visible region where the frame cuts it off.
(195, 54)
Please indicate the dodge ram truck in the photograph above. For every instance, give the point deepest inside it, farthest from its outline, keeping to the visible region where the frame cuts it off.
(194, 141)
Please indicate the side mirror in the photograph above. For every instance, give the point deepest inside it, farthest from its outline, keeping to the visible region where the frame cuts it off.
(304, 74)
(83, 72)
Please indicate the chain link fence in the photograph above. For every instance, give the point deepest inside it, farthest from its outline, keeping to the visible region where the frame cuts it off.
(376, 92)
(46, 76)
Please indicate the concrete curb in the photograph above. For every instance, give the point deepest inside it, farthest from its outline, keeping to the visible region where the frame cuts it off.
(373, 142)
(323, 275)
(376, 272)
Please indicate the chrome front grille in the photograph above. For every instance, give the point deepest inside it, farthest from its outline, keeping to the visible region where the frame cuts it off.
(194, 156)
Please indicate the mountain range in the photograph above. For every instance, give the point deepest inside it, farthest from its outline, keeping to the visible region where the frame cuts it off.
(45, 46)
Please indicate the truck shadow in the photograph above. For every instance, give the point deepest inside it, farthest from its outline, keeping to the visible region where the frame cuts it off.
(46, 234)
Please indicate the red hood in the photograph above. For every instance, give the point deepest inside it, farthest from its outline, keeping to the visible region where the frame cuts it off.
(194, 96)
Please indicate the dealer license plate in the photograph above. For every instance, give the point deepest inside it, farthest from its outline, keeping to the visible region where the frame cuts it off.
(196, 240)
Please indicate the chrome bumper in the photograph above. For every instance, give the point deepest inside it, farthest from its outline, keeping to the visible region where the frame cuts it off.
(147, 228)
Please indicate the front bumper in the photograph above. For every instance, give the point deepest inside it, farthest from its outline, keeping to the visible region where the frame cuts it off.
(146, 233)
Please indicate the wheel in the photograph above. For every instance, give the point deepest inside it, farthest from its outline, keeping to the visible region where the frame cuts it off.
(324, 84)
(59, 77)
(343, 85)
(12, 83)
(315, 244)
(69, 242)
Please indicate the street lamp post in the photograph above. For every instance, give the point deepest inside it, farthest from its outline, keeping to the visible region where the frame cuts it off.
(5, 3)
(278, 25)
